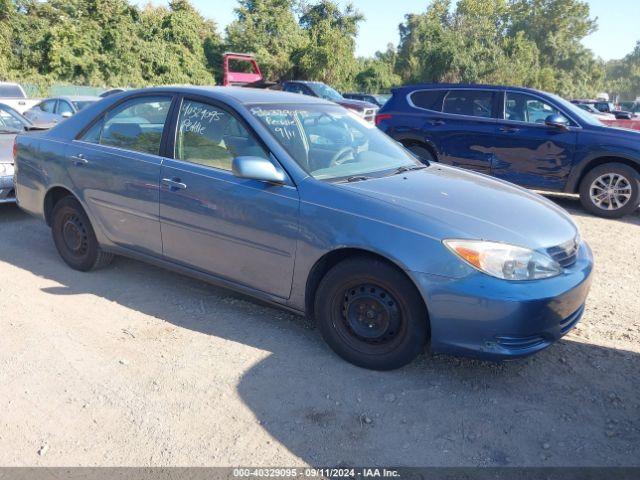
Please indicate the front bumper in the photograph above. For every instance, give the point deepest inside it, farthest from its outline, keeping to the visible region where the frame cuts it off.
(7, 191)
(493, 319)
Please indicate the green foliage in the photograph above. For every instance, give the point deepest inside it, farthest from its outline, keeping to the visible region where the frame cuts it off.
(269, 30)
(623, 76)
(96, 43)
(105, 42)
(328, 55)
(534, 43)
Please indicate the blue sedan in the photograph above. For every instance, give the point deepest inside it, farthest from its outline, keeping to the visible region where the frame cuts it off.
(296, 201)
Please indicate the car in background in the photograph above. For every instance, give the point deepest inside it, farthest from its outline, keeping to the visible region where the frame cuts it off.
(13, 95)
(112, 91)
(595, 112)
(56, 109)
(606, 107)
(531, 138)
(366, 110)
(11, 124)
(378, 99)
(299, 202)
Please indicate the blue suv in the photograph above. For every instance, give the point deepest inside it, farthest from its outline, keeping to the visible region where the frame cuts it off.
(531, 138)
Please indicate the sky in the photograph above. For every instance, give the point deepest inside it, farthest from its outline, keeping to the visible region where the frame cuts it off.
(618, 22)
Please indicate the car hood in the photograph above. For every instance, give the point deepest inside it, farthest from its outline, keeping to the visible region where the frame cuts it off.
(447, 202)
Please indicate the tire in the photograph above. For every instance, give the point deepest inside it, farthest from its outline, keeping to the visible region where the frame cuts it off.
(422, 152)
(350, 296)
(74, 237)
(597, 199)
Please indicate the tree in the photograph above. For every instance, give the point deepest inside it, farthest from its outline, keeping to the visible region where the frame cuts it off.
(623, 76)
(328, 55)
(270, 30)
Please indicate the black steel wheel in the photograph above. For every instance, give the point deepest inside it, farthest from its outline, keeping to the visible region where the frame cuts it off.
(371, 314)
(74, 237)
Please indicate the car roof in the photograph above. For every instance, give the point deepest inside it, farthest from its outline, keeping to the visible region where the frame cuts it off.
(470, 86)
(77, 98)
(239, 94)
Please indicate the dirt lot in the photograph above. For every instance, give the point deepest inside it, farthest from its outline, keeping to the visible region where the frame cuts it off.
(133, 365)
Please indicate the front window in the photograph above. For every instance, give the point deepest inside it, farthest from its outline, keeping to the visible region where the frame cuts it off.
(325, 91)
(331, 143)
(211, 136)
(521, 107)
(64, 107)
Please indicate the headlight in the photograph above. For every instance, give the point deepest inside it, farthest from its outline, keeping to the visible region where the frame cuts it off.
(6, 169)
(508, 262)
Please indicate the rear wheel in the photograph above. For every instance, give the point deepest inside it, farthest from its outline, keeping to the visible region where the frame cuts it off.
(422, 152)
(611, 190)
(74, 237)
(371, 314)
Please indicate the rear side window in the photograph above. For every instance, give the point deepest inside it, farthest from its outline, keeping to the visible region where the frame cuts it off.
(473, 103)
(428, 99)
(135, 125)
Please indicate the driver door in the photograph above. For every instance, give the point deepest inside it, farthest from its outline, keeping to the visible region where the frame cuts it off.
(527, 151)
(241, 230)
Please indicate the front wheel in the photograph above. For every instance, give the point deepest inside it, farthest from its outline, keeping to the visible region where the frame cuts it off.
(611, 190)
(371, 314)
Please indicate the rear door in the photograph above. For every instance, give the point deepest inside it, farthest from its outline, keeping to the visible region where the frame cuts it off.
(466, 128)
(115, 165)
(527, 151)
(241, 230)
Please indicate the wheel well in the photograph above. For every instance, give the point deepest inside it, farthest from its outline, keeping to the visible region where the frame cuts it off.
(602, 161)
(52, 197)
(408, 142)
(331, 259)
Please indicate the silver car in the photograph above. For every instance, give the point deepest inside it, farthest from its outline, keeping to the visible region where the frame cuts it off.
(11, 123)
(55, 109)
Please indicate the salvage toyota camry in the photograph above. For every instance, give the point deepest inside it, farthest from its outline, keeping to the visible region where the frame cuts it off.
(299, 202)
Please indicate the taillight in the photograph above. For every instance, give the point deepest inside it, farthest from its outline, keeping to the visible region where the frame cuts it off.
(382, 116)
(15, 149)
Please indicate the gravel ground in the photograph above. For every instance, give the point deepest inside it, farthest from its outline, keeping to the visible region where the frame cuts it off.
(133, 365)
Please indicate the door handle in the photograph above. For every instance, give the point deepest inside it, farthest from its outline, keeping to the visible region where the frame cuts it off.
(437, 122)
(509, 129)
(174, 184)
(79, 160)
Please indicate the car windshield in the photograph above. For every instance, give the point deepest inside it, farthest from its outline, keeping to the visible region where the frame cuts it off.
(11, 121)
(332, 143)
(576, 111)
(325, 91)
(82, 104)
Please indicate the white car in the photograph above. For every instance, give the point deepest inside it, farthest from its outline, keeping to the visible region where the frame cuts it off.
(13, 94)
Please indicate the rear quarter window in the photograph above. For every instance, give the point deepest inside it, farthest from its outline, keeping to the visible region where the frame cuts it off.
(428, 99)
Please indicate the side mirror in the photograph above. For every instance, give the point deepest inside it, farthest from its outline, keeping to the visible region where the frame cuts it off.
(66, 114)
(557, 121)
(257, 168)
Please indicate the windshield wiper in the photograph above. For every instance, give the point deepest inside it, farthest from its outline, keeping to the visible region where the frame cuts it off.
(357, 178)
(9, 130)
(405, 168)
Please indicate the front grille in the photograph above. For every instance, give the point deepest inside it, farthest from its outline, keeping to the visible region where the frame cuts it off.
(520, 343)
(566, 253)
